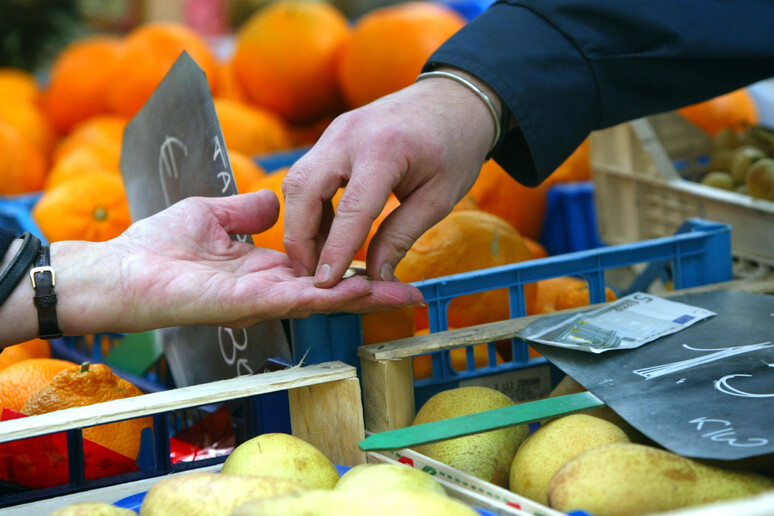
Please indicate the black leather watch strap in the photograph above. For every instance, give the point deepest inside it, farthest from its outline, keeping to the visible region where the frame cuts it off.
(43, 281)
(19, 266)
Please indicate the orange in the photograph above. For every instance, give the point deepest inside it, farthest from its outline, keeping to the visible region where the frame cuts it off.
(13, 354)
(229, 86)
(31, 123)
(465, 241)
(147, 54)
(423, 364)
(101, 134)
(285, 58)
(22, 166)
(251, 130)
(91, 206)
(575, 295)
(577, 167)
(536, 248)
(303, 135)
(521, 206)
(387, 325)
(389, 46)
(37, 348)
(87, 384)
(274, 237)
(735, 110)
(19, 380)
(79, 81)
(245, 170)
(80, 160)
(562, 293)
(392, 203)
(18, 86)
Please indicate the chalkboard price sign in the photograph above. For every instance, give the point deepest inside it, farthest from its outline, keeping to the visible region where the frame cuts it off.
(172, 149)
(705, 392)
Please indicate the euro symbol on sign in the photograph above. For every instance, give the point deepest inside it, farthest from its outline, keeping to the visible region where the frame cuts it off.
(168, 170)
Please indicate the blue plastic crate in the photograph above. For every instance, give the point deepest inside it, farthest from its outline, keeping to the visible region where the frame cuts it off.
(16, 213)
(698, 254)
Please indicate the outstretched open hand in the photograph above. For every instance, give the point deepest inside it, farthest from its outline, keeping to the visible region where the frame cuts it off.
(181, 266)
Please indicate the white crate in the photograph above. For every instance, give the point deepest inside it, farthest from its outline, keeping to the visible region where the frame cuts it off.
(640, 194)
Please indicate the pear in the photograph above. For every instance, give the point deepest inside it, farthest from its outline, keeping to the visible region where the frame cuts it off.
(340, 503)
(485, 455)
(284, 456)
(93, 509)
(211, 494)
(366, 479)
(629, 479)
(553, 444)
(568, 385)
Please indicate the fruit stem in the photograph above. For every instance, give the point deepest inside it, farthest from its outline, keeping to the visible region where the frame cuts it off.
(85, 367)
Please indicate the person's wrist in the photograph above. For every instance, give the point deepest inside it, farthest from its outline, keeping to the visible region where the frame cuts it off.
(483, 107)
(88, 287)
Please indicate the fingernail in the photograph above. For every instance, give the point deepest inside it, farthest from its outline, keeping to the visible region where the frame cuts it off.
(386, 272)
(323, 273)
(417, 305)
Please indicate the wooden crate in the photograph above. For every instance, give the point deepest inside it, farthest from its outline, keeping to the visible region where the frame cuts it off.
(388, 398)
(325, 410)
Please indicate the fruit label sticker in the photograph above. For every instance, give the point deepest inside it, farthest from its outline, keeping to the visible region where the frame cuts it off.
(172, 149)
(706, 392)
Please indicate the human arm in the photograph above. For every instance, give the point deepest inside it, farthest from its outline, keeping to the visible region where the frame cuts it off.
(181, 267)
(565, 68)
(562, 69)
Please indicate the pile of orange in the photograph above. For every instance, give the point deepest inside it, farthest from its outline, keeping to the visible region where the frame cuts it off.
(31, 382)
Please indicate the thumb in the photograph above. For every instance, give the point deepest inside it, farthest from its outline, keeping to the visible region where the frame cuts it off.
(247, 213)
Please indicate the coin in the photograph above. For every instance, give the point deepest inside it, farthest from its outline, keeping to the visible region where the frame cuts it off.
(356, 271)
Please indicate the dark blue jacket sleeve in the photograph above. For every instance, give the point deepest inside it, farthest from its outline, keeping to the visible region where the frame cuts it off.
(6, 237)
(565, 68)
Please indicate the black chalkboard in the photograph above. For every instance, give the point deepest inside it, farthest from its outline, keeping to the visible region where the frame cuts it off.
(174, 148)
(705, 392)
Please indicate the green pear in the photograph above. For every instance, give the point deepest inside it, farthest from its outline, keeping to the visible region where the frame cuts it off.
(628, 479)
(210, 494)
(486, 455)
(93, 509)
(341, 503)
(366, 479)
(553, 444)
(284, 456)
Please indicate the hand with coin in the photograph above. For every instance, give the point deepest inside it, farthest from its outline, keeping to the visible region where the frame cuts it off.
(429, 164)
(181, 267)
